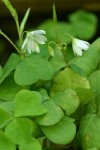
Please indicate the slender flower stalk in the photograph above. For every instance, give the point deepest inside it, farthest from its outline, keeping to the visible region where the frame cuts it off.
(32, 40)
(3, 34)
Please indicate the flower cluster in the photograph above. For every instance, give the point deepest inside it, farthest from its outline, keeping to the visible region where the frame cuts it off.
(34, 38)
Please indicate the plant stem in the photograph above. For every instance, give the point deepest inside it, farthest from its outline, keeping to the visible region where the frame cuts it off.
(3, 34)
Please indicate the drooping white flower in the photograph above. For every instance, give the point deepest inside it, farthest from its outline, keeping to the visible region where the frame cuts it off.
(79, 45)
(32, 41)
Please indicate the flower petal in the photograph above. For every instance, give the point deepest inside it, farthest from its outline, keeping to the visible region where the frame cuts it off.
(38, 32)
(77, 50)
(30, 45)
(39, 39)
(24, 44)
(36, 48)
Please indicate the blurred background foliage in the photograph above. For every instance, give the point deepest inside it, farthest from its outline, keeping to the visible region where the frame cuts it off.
(79, 18)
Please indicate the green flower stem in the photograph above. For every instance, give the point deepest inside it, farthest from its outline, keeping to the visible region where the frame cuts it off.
(52, 42)
(3, 34)
(68, 35)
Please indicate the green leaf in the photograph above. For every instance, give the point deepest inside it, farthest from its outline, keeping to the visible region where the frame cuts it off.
(67, 100)
(89, 131)
(10, 65)
(88, 62)
(34, 68)
(62, 132)
(84, 24)
(36, 130)
(7, 106)
(85, 95)
(44, 94)
(8, 88)
(95, 82)
(11, 9)
(28, 103)
(68, 79)
(53, 115)
(32, 145)
(24, 20)
(5, 118)
(19, 130)
(6, 143)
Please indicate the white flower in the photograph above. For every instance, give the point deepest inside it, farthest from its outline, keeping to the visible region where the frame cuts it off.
(32, 40)
(79, 45)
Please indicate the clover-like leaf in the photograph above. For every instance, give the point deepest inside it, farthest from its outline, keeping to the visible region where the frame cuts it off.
(8, 88)
(61, 133)
(28, 103)
(95, 82)
(32, 145)
(19, 130)
(10, 65)
(53, 115)
(5, 118)
(89, 131)
(31, 69)
(67, 100)
(67, 78)
(5, 142)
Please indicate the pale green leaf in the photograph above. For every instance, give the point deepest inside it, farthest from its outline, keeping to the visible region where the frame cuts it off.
(6, 143)
(8, 88)
(67, 100)
(34, 68)
(10, 65)
(89, 131)
(67, 78)
(28, 103)
(19, 130)
(53, 115)
(32, 145)
(62, 132)
(5, 118)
